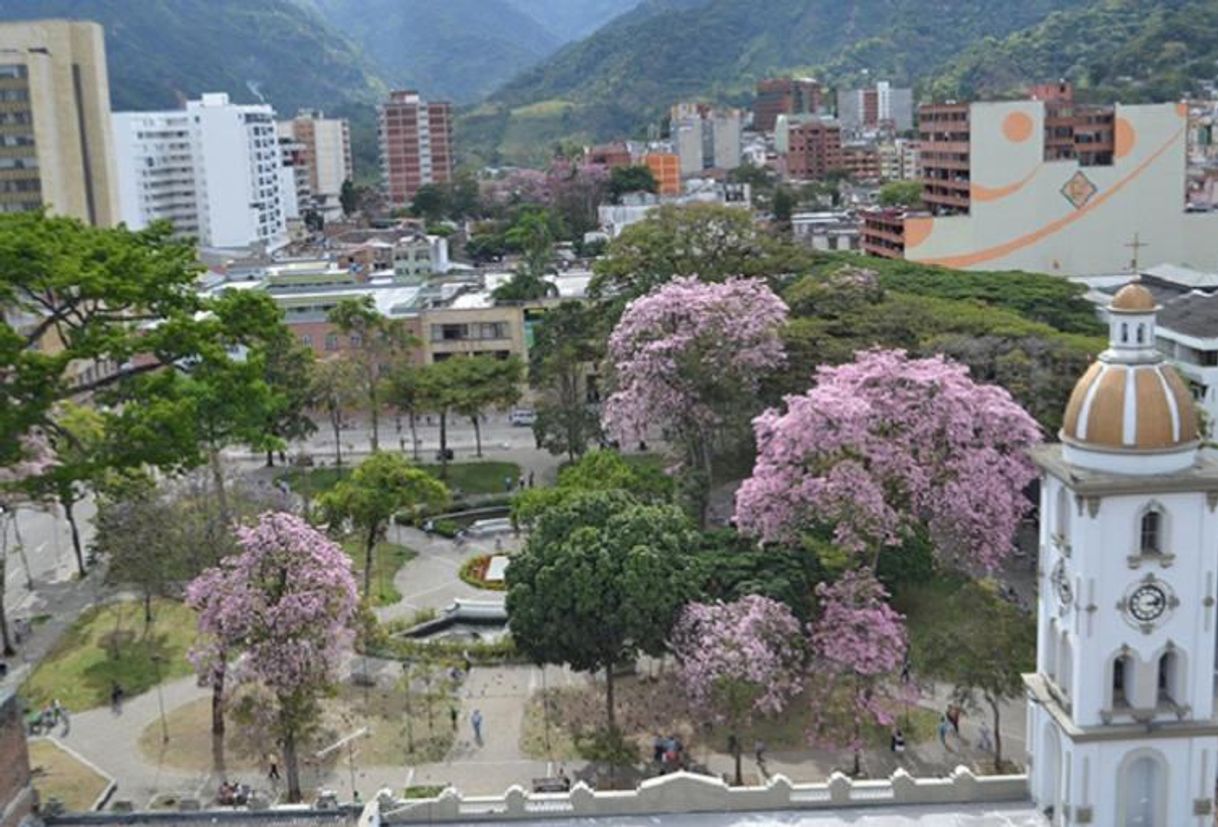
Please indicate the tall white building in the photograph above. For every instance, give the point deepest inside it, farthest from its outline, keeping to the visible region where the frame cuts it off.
(326, 144)
(224, 157)
(706, 137)
(1121, 725)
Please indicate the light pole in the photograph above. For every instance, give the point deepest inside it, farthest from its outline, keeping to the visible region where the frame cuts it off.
(160, 698)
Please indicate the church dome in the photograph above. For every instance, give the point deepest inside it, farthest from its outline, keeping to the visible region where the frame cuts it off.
(1131, 412)
(1130, 407)
(1133, 298)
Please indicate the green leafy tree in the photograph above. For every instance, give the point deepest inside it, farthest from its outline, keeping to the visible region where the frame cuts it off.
(783, 205)
(348, 197)
(376, 342)
(404, 391)
(532, 235)
(430, 203)
(289, 376)
(377, 489)
(601, 470)
(984, 658)
(488, 384)
(524, 286)
(637, 178)
(567, 345)
(141, 537)
(483, 248)
(600, 580)
(335, 389)
(901, 194)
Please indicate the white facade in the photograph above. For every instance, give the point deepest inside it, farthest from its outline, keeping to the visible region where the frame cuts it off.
(156, 170)
(223, 157)
(327, 151)
(706, 138)
(1121, 727)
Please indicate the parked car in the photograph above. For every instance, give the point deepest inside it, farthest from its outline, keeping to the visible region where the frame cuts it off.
(523, 417)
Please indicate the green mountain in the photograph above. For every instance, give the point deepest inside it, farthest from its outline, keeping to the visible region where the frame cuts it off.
(160, 52)
(571, 20)
(458, 50)
(624, 76)
(1129, 50)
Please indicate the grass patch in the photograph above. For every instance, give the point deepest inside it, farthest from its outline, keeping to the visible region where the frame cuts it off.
(108, 644)
(466, 477)
(473, 573)
(423, 791)
(388, 558)
(58, 774)
(391, 733)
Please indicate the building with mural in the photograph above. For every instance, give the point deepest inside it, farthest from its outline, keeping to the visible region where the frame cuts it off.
(1047, 185)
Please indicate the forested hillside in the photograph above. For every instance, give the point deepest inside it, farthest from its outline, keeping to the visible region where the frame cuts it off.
(623, 77)
(163, 51)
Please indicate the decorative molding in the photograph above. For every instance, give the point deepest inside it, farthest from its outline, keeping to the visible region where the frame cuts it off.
(1164, 560)
(1093, 506)
(1083, 815)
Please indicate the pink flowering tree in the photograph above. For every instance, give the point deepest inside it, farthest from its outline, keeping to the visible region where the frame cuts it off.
(887, 444)
(689, 358)
(858, 645)
(738, 660)
(287, 603)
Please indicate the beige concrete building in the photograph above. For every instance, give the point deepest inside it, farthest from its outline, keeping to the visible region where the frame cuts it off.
(55, 138)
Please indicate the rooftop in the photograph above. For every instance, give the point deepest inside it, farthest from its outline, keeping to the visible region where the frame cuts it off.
(1193, 314)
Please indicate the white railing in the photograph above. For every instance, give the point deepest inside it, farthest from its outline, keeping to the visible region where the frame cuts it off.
(686, 792)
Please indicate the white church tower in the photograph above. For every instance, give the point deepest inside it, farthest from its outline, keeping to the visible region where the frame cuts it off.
(1121, 725)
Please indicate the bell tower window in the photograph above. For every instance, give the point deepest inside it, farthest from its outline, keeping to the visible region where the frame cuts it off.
(1122, 673)
(1169, 677)
(1152, 532)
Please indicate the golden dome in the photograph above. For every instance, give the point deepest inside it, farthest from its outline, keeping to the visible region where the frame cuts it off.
(1131, 407)
(1133, 298)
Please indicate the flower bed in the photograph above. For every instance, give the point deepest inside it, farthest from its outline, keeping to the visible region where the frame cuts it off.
(473, 572)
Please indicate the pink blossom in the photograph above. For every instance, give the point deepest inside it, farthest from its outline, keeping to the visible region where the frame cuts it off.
(689, 350)
(886, 442)
(738, 658)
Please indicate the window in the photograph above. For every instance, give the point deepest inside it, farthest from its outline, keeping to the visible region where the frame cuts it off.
(356, 340)
(1169, 677)
(1122, 674)
(1141, 333)
(1063, 513)
(1152, 532)
(1124, 332)
(1142, 794)
(306, 340)
(331, 341)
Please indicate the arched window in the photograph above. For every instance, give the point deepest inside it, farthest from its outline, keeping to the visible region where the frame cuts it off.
(1141, 788)
(1122, 680)
(1152, 532)
(1141, 334)
(1169, 677)
(1124, 332)
(1063, 513)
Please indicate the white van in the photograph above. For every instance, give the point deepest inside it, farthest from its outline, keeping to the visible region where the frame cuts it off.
(522, 417)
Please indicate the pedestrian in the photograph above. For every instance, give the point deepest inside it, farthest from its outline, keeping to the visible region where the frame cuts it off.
(953, 717)
(759, 748)
(530, 479)
(476, 721)
(898, 740)
(355, 799)
(520, 482)
(466, 662)
(273, 772)
(985, 740)
(943, 728)
(116, 698)
(452, 714)
(657, 749)
(498, 544)
(507, 483)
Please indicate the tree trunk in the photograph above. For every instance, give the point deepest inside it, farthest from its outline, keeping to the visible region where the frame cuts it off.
(70, 515)
(609, 698)
(858, 735)
(147, 612)
(336, 424)
(289, 765)
(414, 437)
(270, 457)
(25, 561)
(217, 699)
(444, 445)
(997, 734)
(477, 436)
(375, 415)
(369, 551)
(217, 475)
(737, 751)
(6, 644)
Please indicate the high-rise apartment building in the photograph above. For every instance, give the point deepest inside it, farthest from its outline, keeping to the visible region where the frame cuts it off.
(706, 137)
(55, 138)
(325, 155)
(666, 169)
(223, 157)
(785, 96)
(416, 145)
(880, 107)
(814, 149)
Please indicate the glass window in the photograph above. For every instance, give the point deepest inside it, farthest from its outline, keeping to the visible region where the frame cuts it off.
(1152, 532)
(331, 341)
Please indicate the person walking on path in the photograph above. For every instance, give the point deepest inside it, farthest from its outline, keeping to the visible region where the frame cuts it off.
(943, 728)
(759, 748)
(452, 714)
(985, 740)
(116, 698)
(953, 717)
(272, 772)
(476, 721)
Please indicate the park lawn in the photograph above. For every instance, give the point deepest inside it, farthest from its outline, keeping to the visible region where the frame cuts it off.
(388, 558)
(468, 477)
(108, 644)
(59, 774)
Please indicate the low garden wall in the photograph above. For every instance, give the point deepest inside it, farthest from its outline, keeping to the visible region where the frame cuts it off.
(686, 792)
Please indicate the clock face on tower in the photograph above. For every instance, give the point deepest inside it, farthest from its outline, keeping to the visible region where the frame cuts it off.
(1148, 602)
